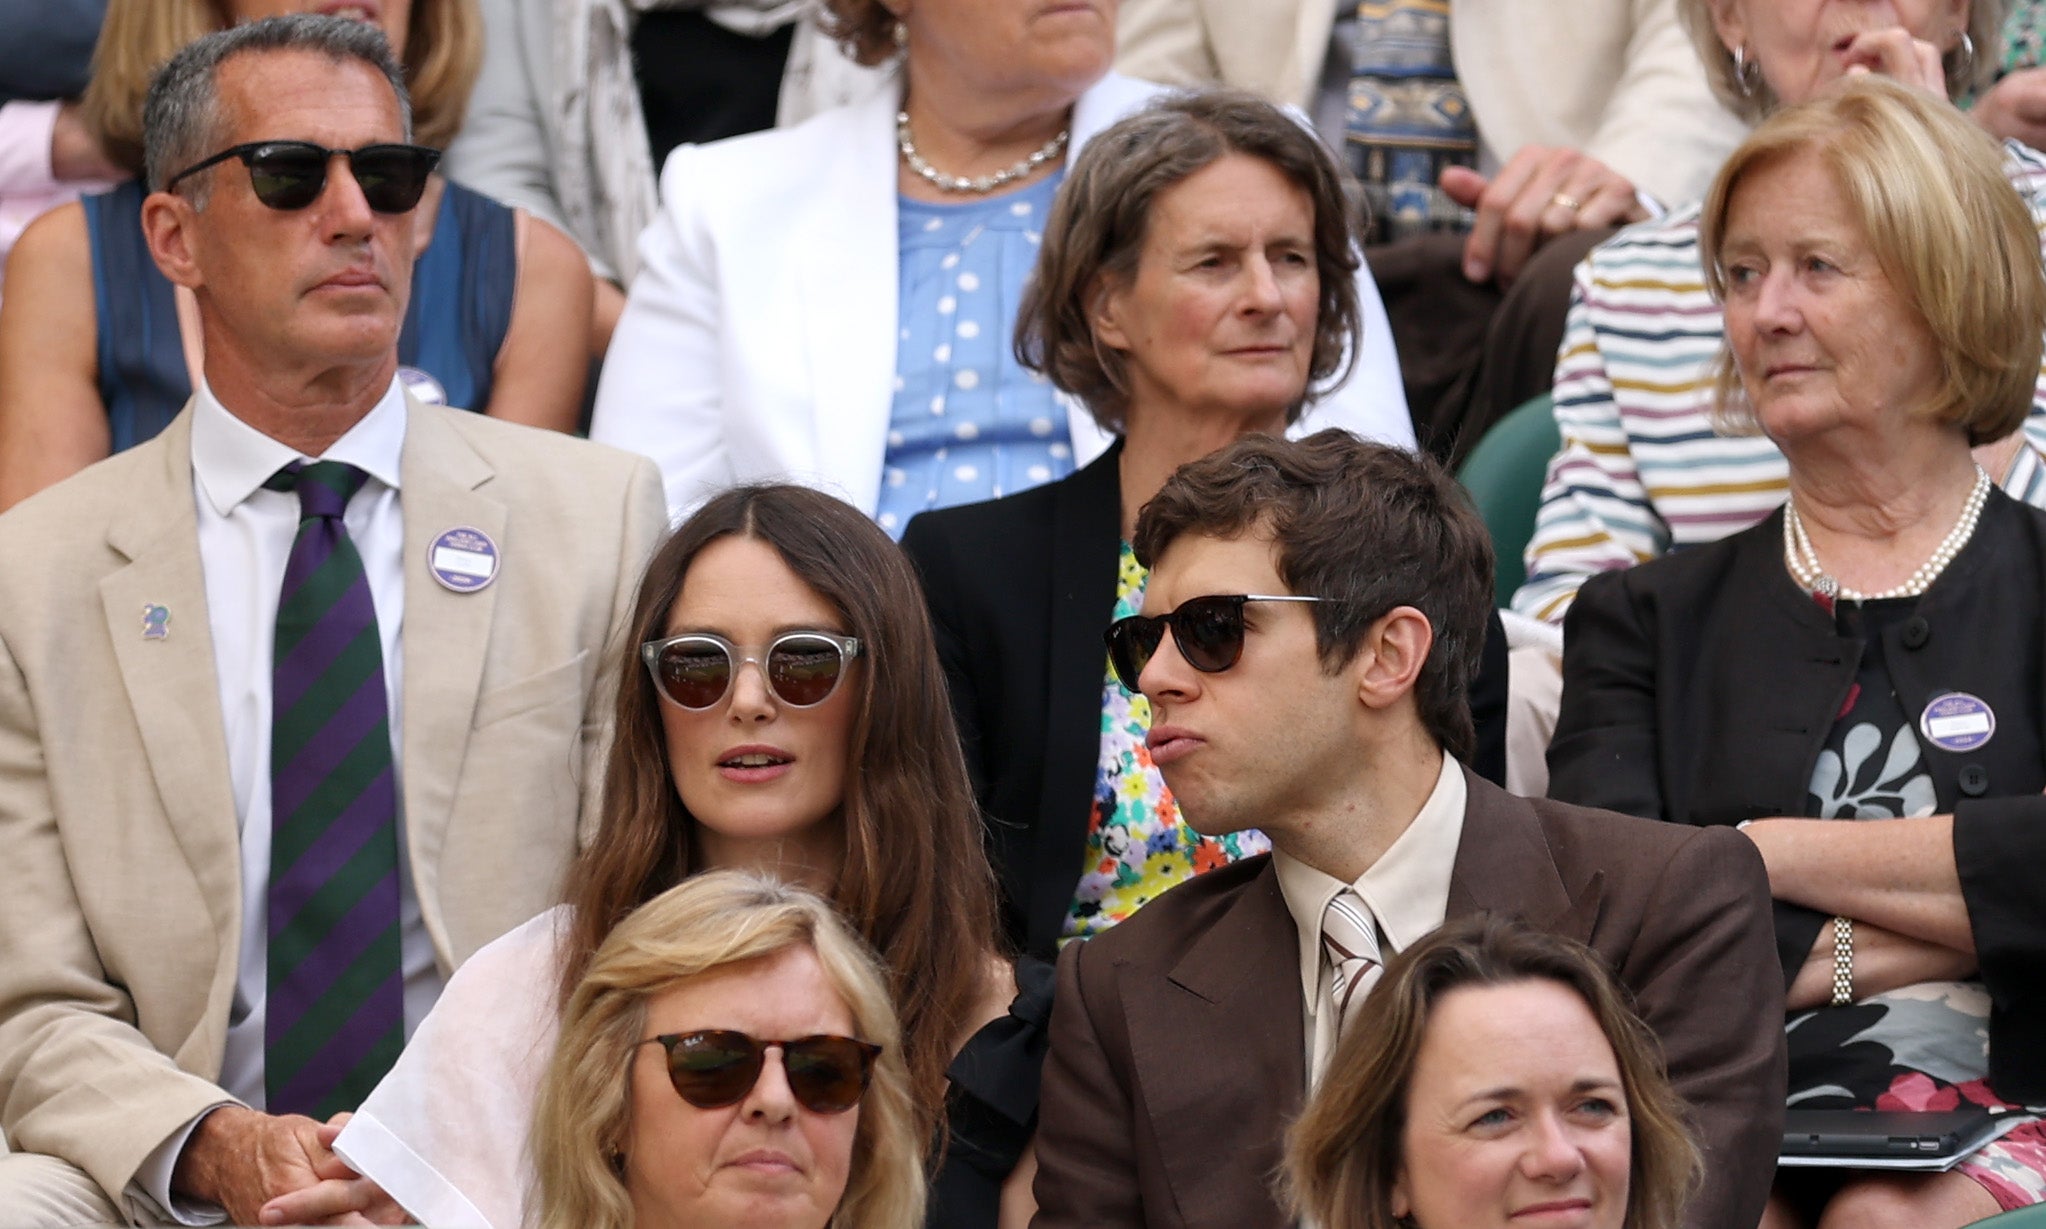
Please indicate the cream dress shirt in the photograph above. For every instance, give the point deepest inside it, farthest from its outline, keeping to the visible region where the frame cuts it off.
(245, 538)
(1407, 891)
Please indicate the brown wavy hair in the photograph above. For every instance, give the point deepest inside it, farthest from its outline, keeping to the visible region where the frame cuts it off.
(443, 54)
(863, 29)
(915, 883)
(1343, 1156)
(1366, 524)
(1095, 236)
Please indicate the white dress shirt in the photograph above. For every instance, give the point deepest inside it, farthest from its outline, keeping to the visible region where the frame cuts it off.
(1407, 891)
(245, 538)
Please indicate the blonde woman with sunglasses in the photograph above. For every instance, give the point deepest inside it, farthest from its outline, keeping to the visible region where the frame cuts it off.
(764, 1081)
(780, 709)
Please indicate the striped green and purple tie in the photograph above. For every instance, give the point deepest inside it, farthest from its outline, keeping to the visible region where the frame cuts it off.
(336, 1015)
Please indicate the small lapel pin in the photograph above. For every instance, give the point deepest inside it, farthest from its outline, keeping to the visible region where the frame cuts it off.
(1955, 722)
(155, 622)
(463, 559)
(422, 386)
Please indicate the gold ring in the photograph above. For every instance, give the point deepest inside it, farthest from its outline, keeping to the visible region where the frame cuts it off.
(1567, 201)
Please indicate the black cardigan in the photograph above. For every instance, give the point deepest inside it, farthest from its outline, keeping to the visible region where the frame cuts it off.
(1020, 590)
(1700, 688)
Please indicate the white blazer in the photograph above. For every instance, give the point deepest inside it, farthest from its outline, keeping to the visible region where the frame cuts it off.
(759, 338)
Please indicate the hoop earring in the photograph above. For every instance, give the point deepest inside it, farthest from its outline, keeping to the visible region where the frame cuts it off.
(1742, 76)
(1966, 73)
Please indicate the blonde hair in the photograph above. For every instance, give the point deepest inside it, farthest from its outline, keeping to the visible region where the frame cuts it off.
(1959, 246)
(707, 922)
(1343, 1155)
(1965, 74)
(443, 54)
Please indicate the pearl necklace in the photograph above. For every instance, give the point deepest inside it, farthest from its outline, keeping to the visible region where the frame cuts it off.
(1804, 561)
(983, 184)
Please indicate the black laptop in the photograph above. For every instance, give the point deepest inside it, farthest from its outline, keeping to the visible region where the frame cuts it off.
(1843, 1136)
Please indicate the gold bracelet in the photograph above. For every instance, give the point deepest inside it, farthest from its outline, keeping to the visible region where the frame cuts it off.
(1843, 962)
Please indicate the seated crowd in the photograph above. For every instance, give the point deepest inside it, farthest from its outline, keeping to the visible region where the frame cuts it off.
(1006, 720)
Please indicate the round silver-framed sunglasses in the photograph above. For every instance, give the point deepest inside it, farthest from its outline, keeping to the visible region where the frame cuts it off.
(801, 668)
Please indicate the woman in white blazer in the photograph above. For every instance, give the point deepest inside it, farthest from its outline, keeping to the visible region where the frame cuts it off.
(764, 336)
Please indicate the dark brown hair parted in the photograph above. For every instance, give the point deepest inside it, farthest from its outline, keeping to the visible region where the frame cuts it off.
(1096, 231)
(915, 883)
(863, 29)
(1343, 1156)
(1366, 524)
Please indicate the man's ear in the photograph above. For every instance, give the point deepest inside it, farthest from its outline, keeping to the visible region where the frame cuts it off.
(169, 226)
(1390, 659)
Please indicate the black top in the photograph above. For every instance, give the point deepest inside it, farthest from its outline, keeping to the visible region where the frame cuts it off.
(1020, 590)
(701, 82)
(991, 1112)
(1701, 688)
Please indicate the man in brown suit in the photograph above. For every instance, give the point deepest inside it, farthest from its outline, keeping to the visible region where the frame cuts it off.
(1327, 602)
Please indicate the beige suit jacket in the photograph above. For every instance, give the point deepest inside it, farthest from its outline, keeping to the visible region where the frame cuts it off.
(120, 896)
(1618, 79)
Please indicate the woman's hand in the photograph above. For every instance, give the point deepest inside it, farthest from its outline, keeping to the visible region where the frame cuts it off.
(1896, 54)
(1883, 960)
(1540, 193)
(340, 1197)
(2016, 108)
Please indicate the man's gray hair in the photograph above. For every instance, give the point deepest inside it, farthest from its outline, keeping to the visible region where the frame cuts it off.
(181, 119)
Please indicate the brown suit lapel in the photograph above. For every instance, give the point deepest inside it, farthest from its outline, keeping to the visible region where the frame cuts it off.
(171, 683)
(447, 634)
(1221, 1059)
(1503, 865)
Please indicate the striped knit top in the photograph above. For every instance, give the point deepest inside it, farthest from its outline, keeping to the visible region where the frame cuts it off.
(1641, 471)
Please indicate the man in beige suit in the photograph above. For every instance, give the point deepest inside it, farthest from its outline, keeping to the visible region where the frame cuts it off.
(138, 602)
(1581, 106)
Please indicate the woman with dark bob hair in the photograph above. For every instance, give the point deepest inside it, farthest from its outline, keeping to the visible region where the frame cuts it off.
(1196, 283)
(779, 709)
(1495, 1070)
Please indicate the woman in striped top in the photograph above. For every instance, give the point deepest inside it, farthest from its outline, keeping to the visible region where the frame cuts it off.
(1641, 471)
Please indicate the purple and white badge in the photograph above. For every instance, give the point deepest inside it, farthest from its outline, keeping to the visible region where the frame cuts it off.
(463, 559)
(423, 387)
(1956, 721)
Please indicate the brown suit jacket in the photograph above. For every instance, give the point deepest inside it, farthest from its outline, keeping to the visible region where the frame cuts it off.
(1178, 1058)
(120, 880)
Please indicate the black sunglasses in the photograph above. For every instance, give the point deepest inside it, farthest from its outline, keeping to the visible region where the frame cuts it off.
(716, 1067)
(801, 668)
(292, 174)
(1207, 630)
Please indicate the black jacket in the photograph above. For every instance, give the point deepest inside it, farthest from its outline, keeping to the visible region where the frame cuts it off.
(1700, 688)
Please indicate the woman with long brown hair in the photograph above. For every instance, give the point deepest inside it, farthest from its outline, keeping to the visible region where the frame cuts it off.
(779, 709)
